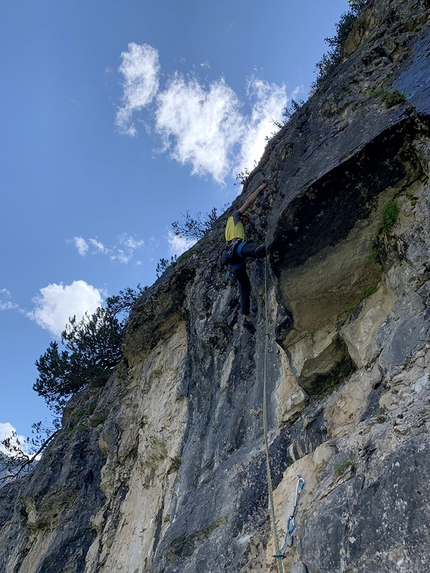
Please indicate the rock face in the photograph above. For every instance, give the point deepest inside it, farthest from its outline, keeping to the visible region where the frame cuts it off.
(163, 470)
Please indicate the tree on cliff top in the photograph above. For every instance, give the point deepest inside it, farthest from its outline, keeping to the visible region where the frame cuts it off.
(195, 228)
(92, 349)
(333, 57)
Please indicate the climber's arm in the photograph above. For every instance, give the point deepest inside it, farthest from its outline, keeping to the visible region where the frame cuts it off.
(251, 199)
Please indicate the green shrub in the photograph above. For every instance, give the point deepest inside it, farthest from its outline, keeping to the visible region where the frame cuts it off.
(389, 97)
(381, 414)
(374, 256)
(390, 214)
(342, 466)
(81, 428)
(367, 291)
(163, 264)
(97, 420)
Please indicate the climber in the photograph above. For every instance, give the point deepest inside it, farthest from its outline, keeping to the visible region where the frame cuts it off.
(238, 250)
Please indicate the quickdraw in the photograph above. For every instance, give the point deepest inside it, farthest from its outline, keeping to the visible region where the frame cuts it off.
(291, 524)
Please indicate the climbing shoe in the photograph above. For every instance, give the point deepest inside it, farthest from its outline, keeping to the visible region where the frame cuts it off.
(260, 252)
(249, 326)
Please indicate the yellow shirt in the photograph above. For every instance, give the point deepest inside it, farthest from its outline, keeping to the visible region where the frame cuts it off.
(234, 228)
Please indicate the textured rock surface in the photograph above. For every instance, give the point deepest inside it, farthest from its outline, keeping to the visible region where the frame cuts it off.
(163, 470)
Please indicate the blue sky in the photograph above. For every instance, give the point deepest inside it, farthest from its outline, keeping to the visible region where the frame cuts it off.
(116, 118)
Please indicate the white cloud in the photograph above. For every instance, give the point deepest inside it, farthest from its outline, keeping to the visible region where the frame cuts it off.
(205, 125)
(7, 431)
(57, 303)
(268, 103)
(178, 245)
(81, 245)
(125, 253)
(98, 246)
(140, 68)
(121, 256)
(130, 242)
(122, 253)
(6, 304)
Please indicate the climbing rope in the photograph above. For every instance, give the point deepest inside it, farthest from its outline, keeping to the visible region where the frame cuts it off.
(291, 524)
(266, 441)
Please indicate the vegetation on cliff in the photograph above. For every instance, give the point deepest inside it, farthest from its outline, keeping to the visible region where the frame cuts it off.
(92, 348)
(333, 57)
(196, 227)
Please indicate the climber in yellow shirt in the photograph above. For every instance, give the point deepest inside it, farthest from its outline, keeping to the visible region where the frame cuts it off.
(239, 250)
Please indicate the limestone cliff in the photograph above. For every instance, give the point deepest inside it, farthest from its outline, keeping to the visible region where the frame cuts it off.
(163, 470)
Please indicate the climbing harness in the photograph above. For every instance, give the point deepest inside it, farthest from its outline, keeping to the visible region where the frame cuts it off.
(233, 253)
(227, 256)
(228, 250)
(291, 524)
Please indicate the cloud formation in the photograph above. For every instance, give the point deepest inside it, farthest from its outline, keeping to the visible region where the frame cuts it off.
(140, 69)
(268, 103)
(5, 303)
(177, 244)
(122, 252)
(200, 126)
(203, 126)
(81, 245)
(56, 303)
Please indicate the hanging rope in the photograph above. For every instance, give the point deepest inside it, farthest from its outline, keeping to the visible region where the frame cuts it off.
(278, 555)
(291, 524)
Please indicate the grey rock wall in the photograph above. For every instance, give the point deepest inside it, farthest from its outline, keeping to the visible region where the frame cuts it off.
(163, 470)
